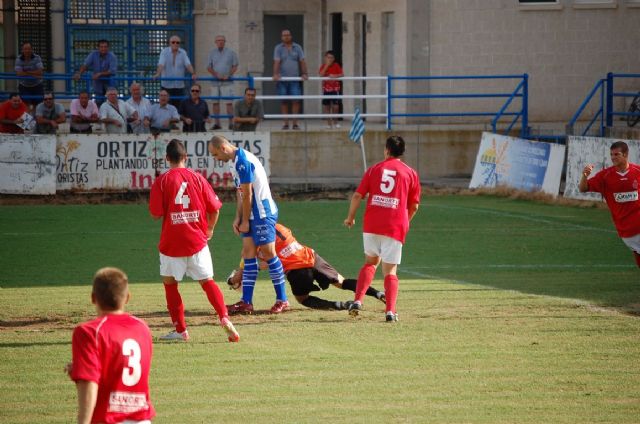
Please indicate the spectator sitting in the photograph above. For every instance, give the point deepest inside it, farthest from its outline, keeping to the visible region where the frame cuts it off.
(29, 64)
(115, 113)
(194, 111)
(142, 105)
(247, 112)
(163, 115)
(84, 112)
(49, 115)
(11, 113)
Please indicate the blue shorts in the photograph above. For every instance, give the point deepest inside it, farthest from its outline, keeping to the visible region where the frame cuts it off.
(289, 88)
(262, 231)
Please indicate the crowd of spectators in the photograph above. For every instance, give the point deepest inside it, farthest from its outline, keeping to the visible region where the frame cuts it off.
(32, 109)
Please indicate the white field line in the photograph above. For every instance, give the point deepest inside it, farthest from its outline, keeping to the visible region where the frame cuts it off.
(521, 266)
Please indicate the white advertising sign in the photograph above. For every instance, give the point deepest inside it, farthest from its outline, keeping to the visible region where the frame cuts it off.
(131, 162)
(594, 150)
(521, 164)
(27, 164)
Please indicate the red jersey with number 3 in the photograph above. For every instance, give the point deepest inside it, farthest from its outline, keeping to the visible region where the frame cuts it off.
(183, 198)
(620, 191)
(392, 186)
(115, 352)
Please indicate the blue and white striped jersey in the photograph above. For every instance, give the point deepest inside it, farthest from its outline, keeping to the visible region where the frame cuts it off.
(246, 168)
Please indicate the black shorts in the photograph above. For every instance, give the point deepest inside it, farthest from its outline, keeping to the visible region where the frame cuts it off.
(303, 280)
(331, 101)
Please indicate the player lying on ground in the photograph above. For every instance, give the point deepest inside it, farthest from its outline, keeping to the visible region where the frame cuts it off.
(306, 271)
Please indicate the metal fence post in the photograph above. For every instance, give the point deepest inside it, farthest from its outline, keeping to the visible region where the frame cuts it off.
(610, 99)
(524, 133)
(389, 102)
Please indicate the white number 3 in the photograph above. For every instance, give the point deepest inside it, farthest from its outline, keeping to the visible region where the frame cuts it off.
(131, 374)
(181, 198)
(388, 181)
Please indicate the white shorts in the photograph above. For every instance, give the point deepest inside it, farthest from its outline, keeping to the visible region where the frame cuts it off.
(199, 266)
(222, 89)
(633, 242)
(136, 422)
(387, 248)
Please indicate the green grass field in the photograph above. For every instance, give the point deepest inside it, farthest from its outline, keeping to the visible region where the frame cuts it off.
(510, 312)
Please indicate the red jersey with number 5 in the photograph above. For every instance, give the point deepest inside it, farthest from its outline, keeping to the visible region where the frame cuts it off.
(183, 198)
(620, 191)
(392, 186)
(115, 352)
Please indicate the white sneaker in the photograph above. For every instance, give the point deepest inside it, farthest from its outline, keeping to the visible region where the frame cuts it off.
(232, 334)
(338, 125)
(174, 335)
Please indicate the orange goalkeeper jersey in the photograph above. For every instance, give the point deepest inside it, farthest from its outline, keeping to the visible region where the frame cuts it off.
(292, 254)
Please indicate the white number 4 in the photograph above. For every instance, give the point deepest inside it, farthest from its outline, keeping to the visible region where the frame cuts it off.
(388, 181)
(181, 198)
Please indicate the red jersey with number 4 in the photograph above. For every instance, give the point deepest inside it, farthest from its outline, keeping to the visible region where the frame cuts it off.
(392, 186)
(620, 191)
(115, 352)
(183, 198)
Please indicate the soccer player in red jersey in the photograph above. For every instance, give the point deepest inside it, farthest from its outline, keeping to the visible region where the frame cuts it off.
(618, 184)
(189, 209)
(112, 357)
(393, 190)
(306, 272)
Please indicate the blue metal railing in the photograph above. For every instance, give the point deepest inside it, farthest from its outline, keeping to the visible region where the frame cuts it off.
(599, 86)
(521, 91)
(611, 93)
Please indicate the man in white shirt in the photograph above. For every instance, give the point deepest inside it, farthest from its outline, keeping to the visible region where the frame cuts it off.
(142, 105)
(115, 113)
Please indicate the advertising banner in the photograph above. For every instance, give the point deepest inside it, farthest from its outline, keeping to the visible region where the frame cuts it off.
(27, 164)
(517, 163)
(131, 162)
(591, 150)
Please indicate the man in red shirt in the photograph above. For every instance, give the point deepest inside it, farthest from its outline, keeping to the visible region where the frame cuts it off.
(11, 113)
(332, 69)
(189, 209)
(306, 272)
(112, 357)
(618, 184)
(394, 196)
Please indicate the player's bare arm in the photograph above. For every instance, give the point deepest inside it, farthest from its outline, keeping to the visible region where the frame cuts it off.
(583, 186)
(212, 220)
(246, 207)
(87, 397)
(353, 208)
(412, 209)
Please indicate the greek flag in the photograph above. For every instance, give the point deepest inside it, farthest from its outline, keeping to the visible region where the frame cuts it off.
(357, 127)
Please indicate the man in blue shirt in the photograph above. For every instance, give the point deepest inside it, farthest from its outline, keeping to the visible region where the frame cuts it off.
(288, 61)
(29, 64)
(163, 115)
(103, 65)
(173, 63)
(255, 221)
(223, 63)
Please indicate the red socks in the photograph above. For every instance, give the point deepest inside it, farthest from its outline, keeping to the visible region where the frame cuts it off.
(216, 298)
(637, 256)
(175, 306)
(364, 281)
(391, 292)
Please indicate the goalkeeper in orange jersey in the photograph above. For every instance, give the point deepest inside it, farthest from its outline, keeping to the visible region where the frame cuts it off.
(306, 272)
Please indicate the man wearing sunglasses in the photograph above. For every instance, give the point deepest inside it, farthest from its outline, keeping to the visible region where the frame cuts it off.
(194, 111)
(49, 115)
(172, 64)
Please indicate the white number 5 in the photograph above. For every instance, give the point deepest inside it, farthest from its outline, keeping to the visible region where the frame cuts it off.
(388, 181)
(131, 374)
(181, 198)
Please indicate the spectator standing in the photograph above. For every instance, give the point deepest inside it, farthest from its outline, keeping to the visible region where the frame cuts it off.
(11, 115)
(111, 357)
(247, 112)
(49, 115)
(29, 64)
(194, 111)
(189, 209)
(619, 185)
(222, 64)
(255, 222)
(393, 190)
(330, 68)
(142, 105)
(173, 63)
(163, 115)
(103, 64)
(115, 113)
(288, 61)
(84, 112)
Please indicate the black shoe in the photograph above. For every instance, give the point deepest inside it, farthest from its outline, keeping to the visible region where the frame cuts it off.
(354, 309)
(391, 317)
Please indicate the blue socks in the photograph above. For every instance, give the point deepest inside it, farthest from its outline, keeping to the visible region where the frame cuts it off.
(276, 272)
(249, 277)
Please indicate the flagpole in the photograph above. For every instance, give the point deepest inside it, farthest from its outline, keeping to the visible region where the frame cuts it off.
(364, 159)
